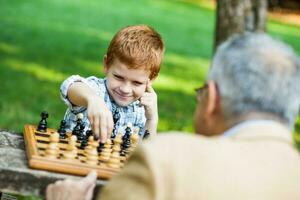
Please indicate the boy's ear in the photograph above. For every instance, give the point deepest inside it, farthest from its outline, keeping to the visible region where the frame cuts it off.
(105, 67)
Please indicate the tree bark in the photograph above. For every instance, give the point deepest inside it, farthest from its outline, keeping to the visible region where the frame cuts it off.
(238, 16)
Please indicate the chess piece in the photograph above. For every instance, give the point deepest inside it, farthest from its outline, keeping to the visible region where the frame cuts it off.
(83, 143)
(146, 134)
(128, 129)
(115, 158)
(91, 152)
(135, 137)
(126, 137)
(100, 147)
(52, 150)
(81, 136)
(77, 128)
(133, 141)
(116, 116)
(106, 151)
(42, 126)
(89, 133)
(71, 149)
(62, 129)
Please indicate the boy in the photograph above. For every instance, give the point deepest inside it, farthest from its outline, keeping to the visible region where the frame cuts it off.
(131, 64)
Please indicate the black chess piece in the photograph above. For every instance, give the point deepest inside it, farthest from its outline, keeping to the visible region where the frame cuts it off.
(83, 143)
(42, 126)
(128, 131)
(80, 134)
(100, 147)
(146, 134)
(116, 116)
(126, 138)
(126, 141)
(62, 129)
(77, 128)
(88, 133)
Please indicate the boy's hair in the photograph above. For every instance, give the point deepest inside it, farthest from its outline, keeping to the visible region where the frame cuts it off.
(137, 46)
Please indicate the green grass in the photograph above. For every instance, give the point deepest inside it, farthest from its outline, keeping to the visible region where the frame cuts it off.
(43, 42)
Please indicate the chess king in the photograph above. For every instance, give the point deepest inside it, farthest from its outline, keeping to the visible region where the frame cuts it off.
(131, 64)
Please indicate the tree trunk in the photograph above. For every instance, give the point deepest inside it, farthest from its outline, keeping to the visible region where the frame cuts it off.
(237, 16)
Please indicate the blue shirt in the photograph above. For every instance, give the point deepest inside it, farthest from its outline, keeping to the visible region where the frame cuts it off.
(133, 113)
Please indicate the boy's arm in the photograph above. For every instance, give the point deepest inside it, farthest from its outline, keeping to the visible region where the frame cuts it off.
(149, 101)
(99, 115)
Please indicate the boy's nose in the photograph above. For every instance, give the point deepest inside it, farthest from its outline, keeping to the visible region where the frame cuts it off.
(125, 88)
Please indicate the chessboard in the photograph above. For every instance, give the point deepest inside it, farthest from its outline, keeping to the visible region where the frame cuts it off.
(46, 150)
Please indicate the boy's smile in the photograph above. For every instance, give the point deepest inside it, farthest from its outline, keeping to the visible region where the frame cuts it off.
(125, 85)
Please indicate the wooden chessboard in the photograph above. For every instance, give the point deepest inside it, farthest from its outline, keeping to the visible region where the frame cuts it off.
(36, 142)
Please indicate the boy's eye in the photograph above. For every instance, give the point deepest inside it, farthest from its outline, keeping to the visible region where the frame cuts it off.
(137, 83)
(118, 77)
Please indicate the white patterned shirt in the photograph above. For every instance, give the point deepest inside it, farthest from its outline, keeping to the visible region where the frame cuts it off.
(133, 113)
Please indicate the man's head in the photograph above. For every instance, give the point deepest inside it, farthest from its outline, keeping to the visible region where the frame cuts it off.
(132, 61)
(252, 76)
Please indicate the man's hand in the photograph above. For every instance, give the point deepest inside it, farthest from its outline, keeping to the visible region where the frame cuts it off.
(149, 100)
(100, 117)
(72, 189)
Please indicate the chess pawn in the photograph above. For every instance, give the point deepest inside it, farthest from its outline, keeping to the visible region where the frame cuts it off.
(42, 126)
(117, 143)
(134, 139)
(115, 160)
(62, 129)
(52, 150)
(91, 152)
(71, 149)
(106, 151)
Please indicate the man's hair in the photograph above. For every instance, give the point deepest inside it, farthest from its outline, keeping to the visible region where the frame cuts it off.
(137, 46)
(256, 73)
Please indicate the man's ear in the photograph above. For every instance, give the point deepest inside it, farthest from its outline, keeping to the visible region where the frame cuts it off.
(105, 67)
(213, 98)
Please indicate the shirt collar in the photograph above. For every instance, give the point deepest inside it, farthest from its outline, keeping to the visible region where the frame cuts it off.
(235, 129)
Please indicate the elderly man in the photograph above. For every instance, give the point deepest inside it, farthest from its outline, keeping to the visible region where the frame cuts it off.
(251, 99)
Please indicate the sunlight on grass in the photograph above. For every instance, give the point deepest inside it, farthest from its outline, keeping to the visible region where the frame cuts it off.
(173, 84)
(95, 68)
(60, 27)
(9, 48)
(40, 72)
(283, 28)
(201, 3)
(164, 124)
(185, 60)
(170, 78)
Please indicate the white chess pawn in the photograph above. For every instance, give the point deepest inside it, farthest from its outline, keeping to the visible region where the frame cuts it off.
(52, 150)
(71, 150)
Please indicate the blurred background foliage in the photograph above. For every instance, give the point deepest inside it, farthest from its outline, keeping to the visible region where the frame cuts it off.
(43, 42)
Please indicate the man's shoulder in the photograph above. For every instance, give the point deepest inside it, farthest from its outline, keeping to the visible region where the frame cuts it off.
(178, 144)
(177, 138)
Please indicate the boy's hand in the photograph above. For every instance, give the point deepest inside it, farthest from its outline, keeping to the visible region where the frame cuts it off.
(149, 100)
(100, 117)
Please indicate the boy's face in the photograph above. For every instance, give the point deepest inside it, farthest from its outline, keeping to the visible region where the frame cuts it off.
(125, 85)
